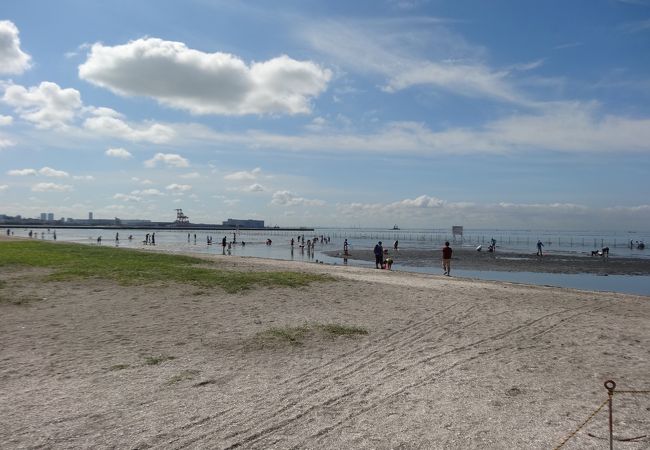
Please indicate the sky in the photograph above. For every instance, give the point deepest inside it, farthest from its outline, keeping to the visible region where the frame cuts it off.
(421, 114)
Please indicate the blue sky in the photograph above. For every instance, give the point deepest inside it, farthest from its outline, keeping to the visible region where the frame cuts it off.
(509, 114)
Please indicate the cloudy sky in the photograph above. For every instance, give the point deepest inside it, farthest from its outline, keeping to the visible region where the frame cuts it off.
(420, 113)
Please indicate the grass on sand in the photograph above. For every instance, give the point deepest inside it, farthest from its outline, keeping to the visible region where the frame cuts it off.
(297, 335)
(135, 267)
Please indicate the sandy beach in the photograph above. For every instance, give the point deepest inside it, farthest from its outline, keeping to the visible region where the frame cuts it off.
(509, 261)
(445, 363)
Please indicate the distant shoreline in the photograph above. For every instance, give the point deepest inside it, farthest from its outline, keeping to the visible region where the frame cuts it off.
(153, 227)
(469, 259)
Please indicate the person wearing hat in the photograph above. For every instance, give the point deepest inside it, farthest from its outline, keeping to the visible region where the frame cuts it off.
(379, 255)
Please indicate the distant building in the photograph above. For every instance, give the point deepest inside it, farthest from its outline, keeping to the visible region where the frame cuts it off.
(90, 215)
(43, 217)
(248, 223)
(50, 217)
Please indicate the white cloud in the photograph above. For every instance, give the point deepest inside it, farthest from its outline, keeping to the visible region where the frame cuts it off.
(22, 172)
(168, 159)
(204, 83)
(255, 187)
(423, 210)
(127, 197)
(4, 142)
(142, 181)
(570, 127)
(45, 105)
(472, 80)
(83, 177)
(5, 120)
(109, 123)
(288, 198)
(394, 49)
(178, 188)
(4, 187)
(49, 172)
(51, 187)
(243, 175)
(118, 153)
(191, 175)
(147, 192)
(12, 59)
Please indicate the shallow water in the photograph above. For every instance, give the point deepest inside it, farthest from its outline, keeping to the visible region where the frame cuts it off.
(176, 241)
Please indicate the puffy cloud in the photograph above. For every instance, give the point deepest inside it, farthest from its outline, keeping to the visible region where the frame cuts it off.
(49, 172)
(4, 187)
(168, 159)
(255, 187)
(110, 123)
(118, 153)
(22, 172)
(12, 59)
(204, 83)
(51, 187)
(288, 198)
(5, 120)
(4, 142)
(243, 175)
(178, 188)
(147, 192)
(45, 105)
(127, 197)
(83, 177)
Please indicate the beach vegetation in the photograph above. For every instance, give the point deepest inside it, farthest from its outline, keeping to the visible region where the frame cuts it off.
(288, 335)
(155, 360)
(336, 329)
(69, 261)
(184, 375)
(298, 335)
(118, 367)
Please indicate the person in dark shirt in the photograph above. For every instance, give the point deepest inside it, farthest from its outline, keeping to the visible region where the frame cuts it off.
(446, 258)
(379, 255)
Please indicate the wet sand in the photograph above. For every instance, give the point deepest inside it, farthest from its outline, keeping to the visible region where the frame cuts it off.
(446, 363)
(469, 259)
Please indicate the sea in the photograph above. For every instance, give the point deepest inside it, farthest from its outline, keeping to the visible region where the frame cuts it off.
(621, 244)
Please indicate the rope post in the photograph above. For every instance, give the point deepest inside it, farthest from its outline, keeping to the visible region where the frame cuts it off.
(610, 386)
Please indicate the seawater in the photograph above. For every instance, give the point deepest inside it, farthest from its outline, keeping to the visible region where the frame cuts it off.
(176, 241)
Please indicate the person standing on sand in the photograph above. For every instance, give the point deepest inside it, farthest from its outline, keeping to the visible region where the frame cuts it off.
(446, 258)
(539, 248)
(379, 255)
(395, 245)
(345, 247)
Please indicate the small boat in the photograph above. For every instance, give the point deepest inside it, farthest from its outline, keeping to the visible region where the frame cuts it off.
(395, 227)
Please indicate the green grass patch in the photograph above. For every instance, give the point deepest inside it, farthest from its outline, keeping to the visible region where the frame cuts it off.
(155, 360)
(286, 335)
(70, 261)
(334, 329)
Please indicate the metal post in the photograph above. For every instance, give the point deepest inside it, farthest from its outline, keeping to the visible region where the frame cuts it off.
(610, 386)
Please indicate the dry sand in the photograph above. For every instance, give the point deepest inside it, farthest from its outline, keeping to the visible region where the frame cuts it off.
(447, 363)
